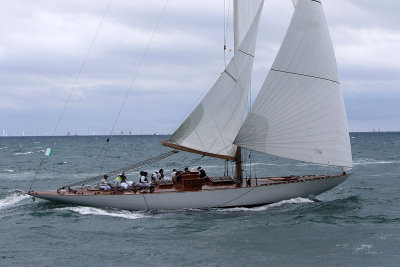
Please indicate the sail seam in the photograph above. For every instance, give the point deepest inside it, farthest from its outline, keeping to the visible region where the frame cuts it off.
(230, 75)
(311, 76)
(245, 53)
(317, 1)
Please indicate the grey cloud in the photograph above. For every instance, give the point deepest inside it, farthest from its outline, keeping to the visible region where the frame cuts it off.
(44, 42)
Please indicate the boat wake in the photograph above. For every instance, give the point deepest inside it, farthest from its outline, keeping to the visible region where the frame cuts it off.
(298, 200)
(130, 215)
(12, 199)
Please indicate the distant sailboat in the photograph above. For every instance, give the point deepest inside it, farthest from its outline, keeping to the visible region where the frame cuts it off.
(299, 114)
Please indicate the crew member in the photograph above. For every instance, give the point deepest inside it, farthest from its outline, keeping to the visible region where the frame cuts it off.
(104, 184)
(202, 173)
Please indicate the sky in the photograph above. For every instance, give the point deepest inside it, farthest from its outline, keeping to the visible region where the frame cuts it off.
(44, 43)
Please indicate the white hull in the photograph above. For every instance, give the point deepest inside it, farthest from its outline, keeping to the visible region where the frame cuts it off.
(234, 197)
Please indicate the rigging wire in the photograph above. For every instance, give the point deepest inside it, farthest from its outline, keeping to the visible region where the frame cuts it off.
(72, 90)
(135, 166)
(226, 26)
(98, 155)
(140, 65)
(245, 193)
(226, 169)
(131, 84)
(200, 97)
(82, 66)
(195, 103)
(193, 161)
(254, 165)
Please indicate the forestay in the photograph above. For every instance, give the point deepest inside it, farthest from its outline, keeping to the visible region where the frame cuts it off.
(299, 113)
(215, 122)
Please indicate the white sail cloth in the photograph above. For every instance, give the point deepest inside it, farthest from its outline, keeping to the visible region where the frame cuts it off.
(299, 113)
(215, 122)
(244, 13)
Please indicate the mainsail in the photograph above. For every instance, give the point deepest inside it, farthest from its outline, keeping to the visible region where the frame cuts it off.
(299, 113)
(213, 125)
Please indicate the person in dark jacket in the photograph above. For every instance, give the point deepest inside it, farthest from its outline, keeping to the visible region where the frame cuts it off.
(202, 173)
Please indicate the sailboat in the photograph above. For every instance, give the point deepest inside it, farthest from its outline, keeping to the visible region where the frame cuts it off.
(299, 114)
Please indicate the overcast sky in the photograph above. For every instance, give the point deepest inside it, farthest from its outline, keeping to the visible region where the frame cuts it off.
(43, 44)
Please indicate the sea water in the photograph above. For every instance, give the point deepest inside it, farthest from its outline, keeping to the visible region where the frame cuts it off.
(354, 224)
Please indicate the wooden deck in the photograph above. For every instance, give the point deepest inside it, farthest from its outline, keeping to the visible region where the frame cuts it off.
(176, 188)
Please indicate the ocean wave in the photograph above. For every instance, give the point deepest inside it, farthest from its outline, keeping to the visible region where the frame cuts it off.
(100, 212)
(12, 199)
(384, 236)
(372, 161)
(62, 163)
(257, 163)
(3, 148)
(9, 170)
(298, 200)
(358, 248)
(23, 153)
(381, 174)
(365, 248)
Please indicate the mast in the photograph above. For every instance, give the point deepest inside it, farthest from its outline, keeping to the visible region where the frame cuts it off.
(238, 163)
(235, 24)
(212, 126)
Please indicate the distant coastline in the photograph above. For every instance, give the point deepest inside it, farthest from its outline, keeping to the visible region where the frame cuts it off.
(125, 135)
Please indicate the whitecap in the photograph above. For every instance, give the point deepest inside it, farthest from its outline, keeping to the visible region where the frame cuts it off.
(12, 200)
(370, 162)
(298, 200)
(23, 153)
(365, 248)
(384, 236)
(100, 212)
(8, 170)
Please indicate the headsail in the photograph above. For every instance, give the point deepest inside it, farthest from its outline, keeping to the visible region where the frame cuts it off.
(299, 113)
(245, 12)
(215, 122)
